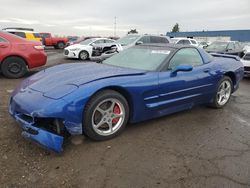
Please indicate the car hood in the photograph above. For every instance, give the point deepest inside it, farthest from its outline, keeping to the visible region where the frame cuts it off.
(73, 75)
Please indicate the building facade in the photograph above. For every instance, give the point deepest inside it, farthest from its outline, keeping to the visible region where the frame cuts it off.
(226, 35)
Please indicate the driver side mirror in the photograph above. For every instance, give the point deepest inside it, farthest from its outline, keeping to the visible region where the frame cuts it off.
(138, 43)
(182, 68)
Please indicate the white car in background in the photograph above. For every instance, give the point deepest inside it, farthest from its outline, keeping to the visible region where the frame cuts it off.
(185, 41)
(246, 47)
(91, 48)
(246, 61)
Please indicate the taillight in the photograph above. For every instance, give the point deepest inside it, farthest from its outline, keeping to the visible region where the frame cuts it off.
(39, 47)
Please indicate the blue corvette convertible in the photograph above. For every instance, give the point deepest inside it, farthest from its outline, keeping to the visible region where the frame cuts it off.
(140, 83)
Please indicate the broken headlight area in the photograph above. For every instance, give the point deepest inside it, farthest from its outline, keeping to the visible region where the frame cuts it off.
(52, 125)
(47, 132)
(97, 51)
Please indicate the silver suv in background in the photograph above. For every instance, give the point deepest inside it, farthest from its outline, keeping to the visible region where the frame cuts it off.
(133, 39)
(185, 41)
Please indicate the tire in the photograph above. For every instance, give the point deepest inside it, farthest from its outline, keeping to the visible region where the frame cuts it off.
(14, 67)
(83, 55)
(218, 101)
(60, 45)
(105, 115)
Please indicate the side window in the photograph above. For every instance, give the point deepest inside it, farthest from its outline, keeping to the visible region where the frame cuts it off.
(145, 40)
(164, 40)
(44, 35)
(230, 46)
(188, 56)
(20, 34)
(37, 35)
(99, 41)
(2, 40)
(108, 41)
(186, 42)
(155, 39)
(180, 42)
(193, 41)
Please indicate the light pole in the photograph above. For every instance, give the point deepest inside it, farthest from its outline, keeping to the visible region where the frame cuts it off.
(115, 27)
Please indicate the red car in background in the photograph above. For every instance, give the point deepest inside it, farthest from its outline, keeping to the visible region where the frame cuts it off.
(57, 42)
(17, 55)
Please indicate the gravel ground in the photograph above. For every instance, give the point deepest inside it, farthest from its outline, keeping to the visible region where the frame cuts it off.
(201, 147)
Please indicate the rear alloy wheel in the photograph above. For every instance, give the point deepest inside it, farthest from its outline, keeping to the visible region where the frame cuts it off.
(83, 55)
(14, 67)
(106, 115)
(60, 45)
(224, 92)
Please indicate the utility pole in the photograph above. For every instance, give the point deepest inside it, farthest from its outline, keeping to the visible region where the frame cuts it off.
(115, 27)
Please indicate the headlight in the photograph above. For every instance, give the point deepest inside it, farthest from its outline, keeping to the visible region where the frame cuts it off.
(40, 47)
(75, 49)
(60, 91)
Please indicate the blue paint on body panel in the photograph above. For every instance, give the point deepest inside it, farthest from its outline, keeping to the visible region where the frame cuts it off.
(62, 92)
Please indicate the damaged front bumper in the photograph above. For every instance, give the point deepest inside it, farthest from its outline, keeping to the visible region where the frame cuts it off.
(41, 136)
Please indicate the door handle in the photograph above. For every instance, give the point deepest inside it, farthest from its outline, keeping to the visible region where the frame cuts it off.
(206, 70)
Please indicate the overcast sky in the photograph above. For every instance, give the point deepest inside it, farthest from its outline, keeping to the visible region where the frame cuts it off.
(96, 17)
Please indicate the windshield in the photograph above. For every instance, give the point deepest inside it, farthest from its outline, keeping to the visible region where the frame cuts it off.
(217, 46)
(87, 42)
(139, 58)
(127, 40)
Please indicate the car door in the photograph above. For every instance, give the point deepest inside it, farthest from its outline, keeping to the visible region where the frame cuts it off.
(48, 39)
(4, 48)
(181, 90)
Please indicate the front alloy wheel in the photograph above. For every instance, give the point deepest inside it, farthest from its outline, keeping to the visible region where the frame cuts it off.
(106, 115)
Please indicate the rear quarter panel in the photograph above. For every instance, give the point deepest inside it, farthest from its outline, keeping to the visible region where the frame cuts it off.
(34, 58)
(227, 66)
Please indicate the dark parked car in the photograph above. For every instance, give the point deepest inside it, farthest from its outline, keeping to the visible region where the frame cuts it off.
(230, 48)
